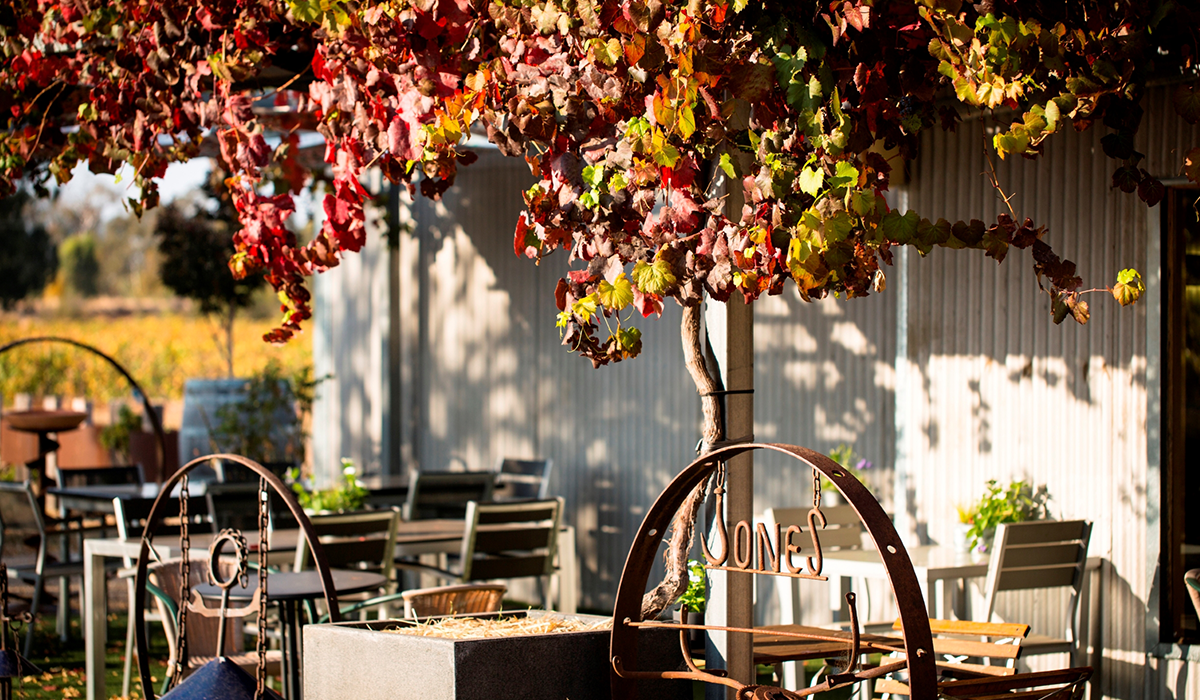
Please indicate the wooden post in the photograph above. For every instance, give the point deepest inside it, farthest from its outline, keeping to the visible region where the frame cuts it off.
(731, 337)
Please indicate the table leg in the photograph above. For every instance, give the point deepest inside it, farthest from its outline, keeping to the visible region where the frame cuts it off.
(289, 623)
(96, 628)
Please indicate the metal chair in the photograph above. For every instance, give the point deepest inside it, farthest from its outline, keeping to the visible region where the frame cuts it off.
(522, 479)
(445, 494)
(23, 546)
(505, 541)
(361, 540)
(1042, 554)
(1064, 684)
(131, 514)
(202, 631)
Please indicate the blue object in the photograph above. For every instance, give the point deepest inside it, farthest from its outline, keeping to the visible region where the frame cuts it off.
(219, 679)
(13, 665)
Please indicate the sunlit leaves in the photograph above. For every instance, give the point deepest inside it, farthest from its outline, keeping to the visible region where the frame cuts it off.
(615, 295)
(1128, 288)
(655, 278)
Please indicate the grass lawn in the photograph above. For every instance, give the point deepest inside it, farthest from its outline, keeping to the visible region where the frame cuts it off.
(62, 662)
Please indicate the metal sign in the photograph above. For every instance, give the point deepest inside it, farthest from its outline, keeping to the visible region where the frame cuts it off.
(782, 552)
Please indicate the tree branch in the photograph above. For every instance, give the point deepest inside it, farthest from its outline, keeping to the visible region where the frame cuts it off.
(675, 579)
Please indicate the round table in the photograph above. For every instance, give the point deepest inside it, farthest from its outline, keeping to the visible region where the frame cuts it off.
(44, 424)
(289, 589)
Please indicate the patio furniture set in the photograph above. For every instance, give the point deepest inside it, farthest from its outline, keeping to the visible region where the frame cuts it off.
(414, 526)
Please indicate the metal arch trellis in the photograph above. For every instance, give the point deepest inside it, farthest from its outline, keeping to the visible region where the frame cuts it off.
(918, 640)
(155, 421)
(154, 519)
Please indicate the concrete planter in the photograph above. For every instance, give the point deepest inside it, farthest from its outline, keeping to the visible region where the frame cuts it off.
(357, 660)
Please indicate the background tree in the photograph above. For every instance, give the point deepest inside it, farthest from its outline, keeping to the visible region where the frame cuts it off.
(80, 266)
(30, 259)
(195, 241)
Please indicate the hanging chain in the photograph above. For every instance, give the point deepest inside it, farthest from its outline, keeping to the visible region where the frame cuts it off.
(816, 488)
(185, 577)
(264, 544)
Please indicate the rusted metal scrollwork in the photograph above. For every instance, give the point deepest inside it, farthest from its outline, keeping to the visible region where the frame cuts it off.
(775, 558)
(241, 551)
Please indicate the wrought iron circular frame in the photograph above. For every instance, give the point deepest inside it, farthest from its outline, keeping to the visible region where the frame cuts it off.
(155, 421)
(155, 518)
(918, 640)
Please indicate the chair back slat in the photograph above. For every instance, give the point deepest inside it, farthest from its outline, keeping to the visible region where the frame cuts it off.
(433, 495)
(1053, 554)
(968, 628)
(68, 477)
(233, 505)
(1037, 577)
(510, 567)
(1041, 531)
(365, 538)
(508, 550)
(518, 479)
(508, 539)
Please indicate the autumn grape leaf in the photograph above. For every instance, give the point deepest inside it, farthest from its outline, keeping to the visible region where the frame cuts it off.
(628, 341)
(1128, 288)
(1187, 102)
(653, 279)
(1191, 165)
(810, 181)
(727, 166)
(615, 295)
(585, 308)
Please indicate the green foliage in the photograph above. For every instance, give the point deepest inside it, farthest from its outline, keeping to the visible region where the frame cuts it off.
(267, 425)
(695, 597)
(80, 266)
(30, 259)
(855, 464)
(619, 107)
(348, 494)
(1015, 503)
(115, 437)
(196, 242)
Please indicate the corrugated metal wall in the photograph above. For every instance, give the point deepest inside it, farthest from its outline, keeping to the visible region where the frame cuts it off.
(1000, 392)
(483, 375)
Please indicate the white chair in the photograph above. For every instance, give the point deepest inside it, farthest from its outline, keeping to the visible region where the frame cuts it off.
(843, 530)
(1042, 554)
(23, 547)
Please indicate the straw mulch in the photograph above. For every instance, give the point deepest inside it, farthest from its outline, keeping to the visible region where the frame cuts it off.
(477, 628)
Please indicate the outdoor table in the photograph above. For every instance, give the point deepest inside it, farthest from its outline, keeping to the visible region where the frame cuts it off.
(99, 499)
(44, 424)
(289, 590)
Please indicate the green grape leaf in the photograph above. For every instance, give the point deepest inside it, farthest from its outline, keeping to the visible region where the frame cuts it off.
(653, 279)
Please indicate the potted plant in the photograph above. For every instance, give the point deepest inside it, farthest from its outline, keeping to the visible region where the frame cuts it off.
(855, 464)
(1017, 502)
(694, 600)
(347, 495)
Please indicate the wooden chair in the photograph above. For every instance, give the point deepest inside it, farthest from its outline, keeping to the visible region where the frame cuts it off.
(522, 479)
(24, 548)
(233, 505)
(1064, 684)
(360, 540)
(1042, 554)
(446, 494)
(68, 477)
(504, 541)
(167, 590)
(843, 530)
